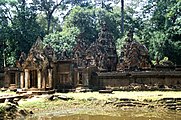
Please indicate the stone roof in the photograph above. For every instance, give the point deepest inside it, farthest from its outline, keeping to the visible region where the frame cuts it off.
(38, 57)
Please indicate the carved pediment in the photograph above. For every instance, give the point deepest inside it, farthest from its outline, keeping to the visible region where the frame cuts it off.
(36, 58)
(134, 55)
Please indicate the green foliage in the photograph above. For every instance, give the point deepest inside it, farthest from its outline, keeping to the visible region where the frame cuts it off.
(165, 62)
(48, 8)
(2, 110)
(156, 46)
(83, 19)
(161, 31)
(88, 21)
(64, 40)
(158, 27)
(25, 29)
(19, 29)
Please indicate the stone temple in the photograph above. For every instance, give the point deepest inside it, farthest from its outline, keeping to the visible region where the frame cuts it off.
(95, 66)
(134, 56)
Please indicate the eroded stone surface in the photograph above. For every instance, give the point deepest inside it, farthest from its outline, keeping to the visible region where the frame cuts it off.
(134, 55)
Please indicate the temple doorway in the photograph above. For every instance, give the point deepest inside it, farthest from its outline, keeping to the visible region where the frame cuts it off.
(80, 79)
(33, 79)
(12, 78)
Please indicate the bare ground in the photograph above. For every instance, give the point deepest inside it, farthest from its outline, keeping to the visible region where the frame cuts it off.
(115, 104)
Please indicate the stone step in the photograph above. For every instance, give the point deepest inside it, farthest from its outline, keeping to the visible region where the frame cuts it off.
(125, 104)
(126, 99)
(12, 97)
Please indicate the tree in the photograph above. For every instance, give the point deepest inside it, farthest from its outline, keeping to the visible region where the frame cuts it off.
(164, 24)
(5, 31)
(64, 40)
(122, 16)
(87, 22)
(48, 7)
(21, 29)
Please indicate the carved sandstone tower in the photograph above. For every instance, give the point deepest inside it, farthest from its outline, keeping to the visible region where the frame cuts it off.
(106, 50)
(134, 56)
(37, 67)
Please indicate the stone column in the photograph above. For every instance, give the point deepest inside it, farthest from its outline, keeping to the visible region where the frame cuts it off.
(43, 80)
(22, 79)
(39, 78)
(16, 78)
(86, 77)
(27, 78)
(50, 78)
(7, 79)
(78, 79)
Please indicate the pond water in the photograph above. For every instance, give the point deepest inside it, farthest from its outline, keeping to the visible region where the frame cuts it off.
(119, 115)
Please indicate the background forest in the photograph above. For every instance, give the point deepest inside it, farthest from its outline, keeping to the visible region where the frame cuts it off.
(156, 23)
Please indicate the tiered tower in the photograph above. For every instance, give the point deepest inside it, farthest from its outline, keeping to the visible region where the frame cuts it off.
(106, 55)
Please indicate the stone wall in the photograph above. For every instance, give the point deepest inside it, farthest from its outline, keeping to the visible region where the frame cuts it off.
(11, 77)
(62, 74)
(152, 80)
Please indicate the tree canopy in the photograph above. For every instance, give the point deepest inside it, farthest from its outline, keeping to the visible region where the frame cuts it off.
(157, 24)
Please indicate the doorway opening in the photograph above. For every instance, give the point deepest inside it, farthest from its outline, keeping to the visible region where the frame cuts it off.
(33, 79)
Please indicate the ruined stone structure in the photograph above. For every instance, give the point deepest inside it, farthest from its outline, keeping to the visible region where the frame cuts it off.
(103, 53)
(80, 63)
(92, 66)
(79, 53)
(11, 77)
(134, 56)
(36, 69)
(100, 54)
(63, 75)
(1, 78)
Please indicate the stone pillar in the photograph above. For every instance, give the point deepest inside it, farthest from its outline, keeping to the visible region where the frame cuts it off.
(50, 78)
(16, 78)
(86, 77)
(27, 78)
(43, 80)
(39, 78)
(22, 79)
(78, 79)
(7, 79)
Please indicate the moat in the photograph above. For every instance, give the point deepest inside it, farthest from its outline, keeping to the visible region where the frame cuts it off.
(123, 115)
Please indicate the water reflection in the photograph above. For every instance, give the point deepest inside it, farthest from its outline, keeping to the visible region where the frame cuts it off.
(124, 115)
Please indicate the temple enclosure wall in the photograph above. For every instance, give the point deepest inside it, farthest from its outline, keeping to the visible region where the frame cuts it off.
(151, 80)
(65, 77)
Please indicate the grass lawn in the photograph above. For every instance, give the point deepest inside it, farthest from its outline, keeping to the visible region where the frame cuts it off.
(80, 99)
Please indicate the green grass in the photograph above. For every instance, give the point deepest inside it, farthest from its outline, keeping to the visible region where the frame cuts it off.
(2, 110)
(33, 104)
(82, 105)
(81, 99)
